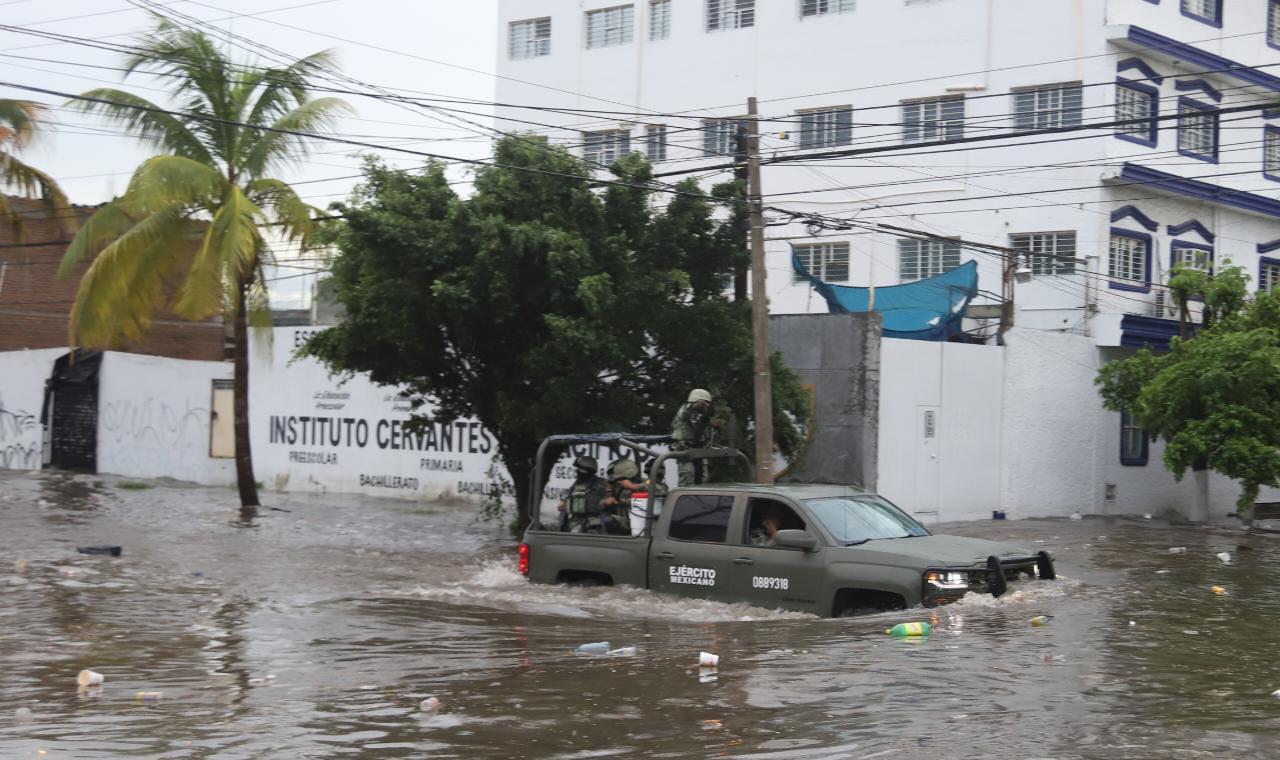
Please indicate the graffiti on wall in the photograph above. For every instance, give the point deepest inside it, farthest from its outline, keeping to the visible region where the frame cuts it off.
(20, 439)
(139, 435)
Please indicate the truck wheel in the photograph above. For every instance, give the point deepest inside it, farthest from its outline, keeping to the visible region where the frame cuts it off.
(851, 602)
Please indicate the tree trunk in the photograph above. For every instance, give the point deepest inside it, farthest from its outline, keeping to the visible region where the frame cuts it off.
(244, 458)
(519, 457)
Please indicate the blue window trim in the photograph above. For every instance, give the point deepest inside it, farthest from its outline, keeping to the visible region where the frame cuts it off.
(1201, 106)
(1205, 191)
(1191, 55)
(1145, 287)
(1153, 94)
(1268, 129)
(1132, 212)
(1194, 85)
(1264, 261)
(1137, 461)
(1141, 65)
(1268, 247)
(1208, 249)
(1273, 7)
(1215, 21)
(1191, 225)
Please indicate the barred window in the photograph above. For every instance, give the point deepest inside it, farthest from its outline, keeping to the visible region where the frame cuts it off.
(1190, 257)
(1268, 276)
(918, 259)
(1129, 258)
(659, 19)
(1271, 151)
(1136, 106)
(610, 26)
(933, 119)
(655, 142)
(530, 39)
(1047, 107)
(1197, 131)
(825, 7)
(826, 261)
(1204, 10)
(606, 146)
(826, 128)
(730, 14)
(1133, 441)
(1273, 22)
(720, 136)
(1047, 253)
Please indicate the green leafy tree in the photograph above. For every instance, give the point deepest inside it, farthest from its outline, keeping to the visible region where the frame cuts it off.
(1215, 397)
(193, 216)
(543, 304)
(20, 122)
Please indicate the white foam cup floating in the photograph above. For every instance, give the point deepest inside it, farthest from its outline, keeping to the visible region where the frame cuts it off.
(90, 678)
(429, 705)
(708, 660)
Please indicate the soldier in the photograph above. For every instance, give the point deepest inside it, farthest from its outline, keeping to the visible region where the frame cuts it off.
(689, 431)
(622, 484)
(582, 509)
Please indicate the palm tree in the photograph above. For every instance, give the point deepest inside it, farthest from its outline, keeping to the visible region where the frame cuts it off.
(19, 124)
(193, 216)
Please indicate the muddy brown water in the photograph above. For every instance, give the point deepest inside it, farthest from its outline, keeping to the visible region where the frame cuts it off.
(316, 632)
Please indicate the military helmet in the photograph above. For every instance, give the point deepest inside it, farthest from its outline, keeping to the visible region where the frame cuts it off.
(699, 394)
(585, 464)
(623, 468)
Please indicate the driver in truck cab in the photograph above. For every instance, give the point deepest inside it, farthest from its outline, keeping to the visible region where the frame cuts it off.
(589, 507)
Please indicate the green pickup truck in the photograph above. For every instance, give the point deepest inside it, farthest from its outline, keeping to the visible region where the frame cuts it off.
(828, 550)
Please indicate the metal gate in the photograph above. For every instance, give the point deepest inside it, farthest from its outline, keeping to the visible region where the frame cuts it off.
(70, 412)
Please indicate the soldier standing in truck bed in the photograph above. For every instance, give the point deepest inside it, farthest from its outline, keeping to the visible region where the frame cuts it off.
(689, 430)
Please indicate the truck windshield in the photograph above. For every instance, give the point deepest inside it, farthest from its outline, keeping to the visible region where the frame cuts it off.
(857, 519)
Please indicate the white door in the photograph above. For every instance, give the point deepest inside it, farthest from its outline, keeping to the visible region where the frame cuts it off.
(925, 506)
(222, 418)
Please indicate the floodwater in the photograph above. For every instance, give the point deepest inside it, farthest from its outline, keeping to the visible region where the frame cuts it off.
(318, 628)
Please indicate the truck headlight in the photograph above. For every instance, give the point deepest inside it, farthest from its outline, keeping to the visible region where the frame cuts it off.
(943, 579)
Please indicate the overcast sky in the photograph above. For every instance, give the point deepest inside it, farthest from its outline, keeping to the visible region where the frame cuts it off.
(420, 47)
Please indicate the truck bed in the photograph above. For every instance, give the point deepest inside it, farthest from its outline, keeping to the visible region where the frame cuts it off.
(567, 557)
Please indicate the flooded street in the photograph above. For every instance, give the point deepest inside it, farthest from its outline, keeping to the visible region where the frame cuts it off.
(318, 629)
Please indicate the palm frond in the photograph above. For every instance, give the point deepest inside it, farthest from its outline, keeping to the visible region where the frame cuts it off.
(106, 224)
(19, 121)
(283, 88)
(175, 180)
(29, 180)
(271, 150)
(228, 250)
(144, 120)
(295, 217)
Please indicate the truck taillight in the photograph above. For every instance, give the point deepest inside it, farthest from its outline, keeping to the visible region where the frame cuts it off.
(523, 565)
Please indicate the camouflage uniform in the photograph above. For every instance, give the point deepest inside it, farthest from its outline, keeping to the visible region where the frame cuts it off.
(689, 431)
(583, 511)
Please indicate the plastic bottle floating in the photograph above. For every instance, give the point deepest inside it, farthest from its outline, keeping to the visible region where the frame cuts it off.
(1039, 620)
(903, 630)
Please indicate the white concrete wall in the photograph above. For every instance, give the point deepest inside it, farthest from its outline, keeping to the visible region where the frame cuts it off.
(22, 377)
(154, 417)
(964, 383)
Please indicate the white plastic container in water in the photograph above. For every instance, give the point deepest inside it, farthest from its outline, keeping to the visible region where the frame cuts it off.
(638, 512)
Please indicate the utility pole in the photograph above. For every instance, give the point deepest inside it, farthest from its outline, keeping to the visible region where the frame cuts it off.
(1006, 294)
(759, 305)
(740, 151)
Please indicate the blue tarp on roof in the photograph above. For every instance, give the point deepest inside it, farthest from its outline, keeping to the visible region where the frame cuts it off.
(929, 309)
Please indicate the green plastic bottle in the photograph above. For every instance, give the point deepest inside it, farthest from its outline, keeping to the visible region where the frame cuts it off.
(910, 629)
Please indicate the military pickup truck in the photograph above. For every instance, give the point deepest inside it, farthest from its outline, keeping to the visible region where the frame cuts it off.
(830, 550)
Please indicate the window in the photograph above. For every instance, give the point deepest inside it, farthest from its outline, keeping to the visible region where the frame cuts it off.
(701, 517)
(1130, 252)
(1273, 23)
(659, 19)
(1197, 130)
(826, 261)
(1048, 253)
(826, 128)
(825, 7)
(933, 119)
(1136, 105)
(606, 146)
(610, 26)
(1190, 256)
(720, 136)
(764, 516)
(1055, 105)
(918, 259)
(1271, 152)
(730, 14)
(1133, 442)
(530, 39)
(1268, 274)
(1208, 11)
(655, 142)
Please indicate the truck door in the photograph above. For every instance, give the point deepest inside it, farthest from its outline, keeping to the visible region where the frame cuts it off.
(690, 556)
(770, 577)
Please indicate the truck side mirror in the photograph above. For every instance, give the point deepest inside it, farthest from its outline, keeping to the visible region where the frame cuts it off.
(795, 539)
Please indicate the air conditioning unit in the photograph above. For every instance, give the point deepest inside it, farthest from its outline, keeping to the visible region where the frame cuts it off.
(1166, 307)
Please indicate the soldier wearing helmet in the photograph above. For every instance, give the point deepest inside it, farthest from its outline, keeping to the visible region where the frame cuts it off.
(624, 480)
(689, 431)
(582, 509)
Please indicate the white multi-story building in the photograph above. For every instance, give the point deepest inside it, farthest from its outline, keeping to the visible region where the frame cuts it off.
(1024, 97)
